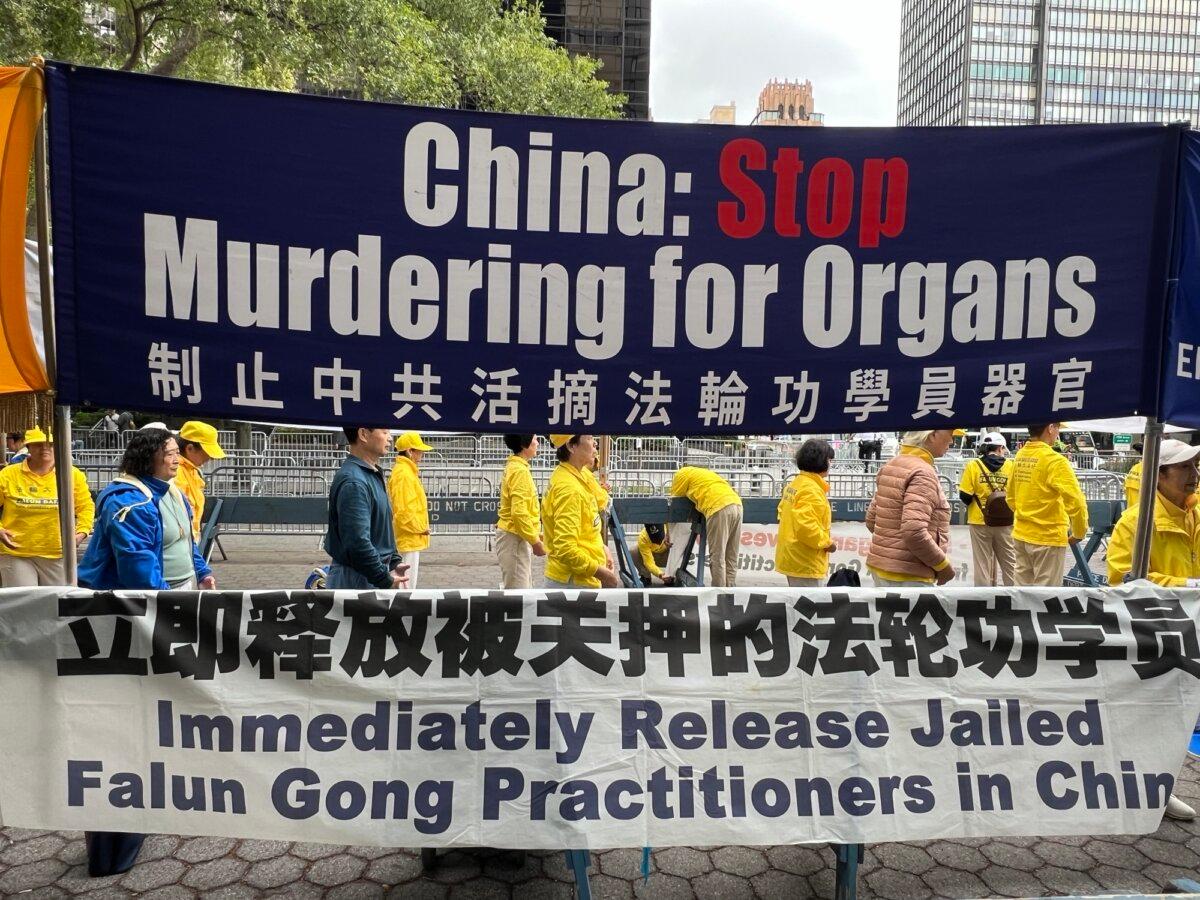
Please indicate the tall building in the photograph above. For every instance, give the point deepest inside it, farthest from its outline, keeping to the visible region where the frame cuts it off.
(721, 114)
(787, 103)
(617, 32)
(1022, 62)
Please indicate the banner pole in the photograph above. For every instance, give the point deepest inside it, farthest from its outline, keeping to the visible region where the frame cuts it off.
(61, 427)
(1149, 492)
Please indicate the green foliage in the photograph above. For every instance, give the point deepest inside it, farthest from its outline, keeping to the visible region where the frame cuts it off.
(473, 54)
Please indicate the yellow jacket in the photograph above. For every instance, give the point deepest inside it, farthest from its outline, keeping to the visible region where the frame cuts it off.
(1133, 485)
(519, 501)
(646, 550)
(30, 510)
(1174, 546)
(571, 522)
(979, 482)
(1045, 497)
(707, 490)
(191, 484)
(410, 509)
(595, 487)
(804, 523)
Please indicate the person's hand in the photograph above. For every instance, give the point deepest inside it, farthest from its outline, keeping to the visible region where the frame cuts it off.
(400, 575)
(668, 580)
(608, 578)
(539, 549)
(6, 538)
(208, 583)
(830, 547)
(944, 576)
(80, 537)
(1072, 540)
(608, 558)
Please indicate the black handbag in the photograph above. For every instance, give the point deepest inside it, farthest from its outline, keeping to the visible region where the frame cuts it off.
(844, 578)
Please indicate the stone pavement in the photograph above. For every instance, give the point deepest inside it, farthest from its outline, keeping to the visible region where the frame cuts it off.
(39, 864)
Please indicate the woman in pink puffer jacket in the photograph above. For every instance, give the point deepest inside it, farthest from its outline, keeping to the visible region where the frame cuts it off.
(909, 516)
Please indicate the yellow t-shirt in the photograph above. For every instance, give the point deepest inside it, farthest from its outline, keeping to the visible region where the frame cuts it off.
(30, 510)
(519, 501)
(410, 509)
(1045, 497)
(979, 481)
(706, 489)
(804, 528)
(191, 484)
(572, 525)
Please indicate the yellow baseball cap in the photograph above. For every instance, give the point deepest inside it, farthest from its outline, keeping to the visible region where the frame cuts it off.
(203, 434)
(960, 432)
(35, 435)
(557, 440)
(410, 440)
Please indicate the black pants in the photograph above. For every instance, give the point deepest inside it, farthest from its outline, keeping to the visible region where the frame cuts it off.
(870, 449)
(112, 852)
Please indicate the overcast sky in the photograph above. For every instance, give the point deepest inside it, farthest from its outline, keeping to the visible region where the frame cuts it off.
(705, 52)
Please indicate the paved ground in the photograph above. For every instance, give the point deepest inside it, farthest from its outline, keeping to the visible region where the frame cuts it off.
(47, 864)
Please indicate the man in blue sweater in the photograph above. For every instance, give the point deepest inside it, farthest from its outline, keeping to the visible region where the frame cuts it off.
(360, 540)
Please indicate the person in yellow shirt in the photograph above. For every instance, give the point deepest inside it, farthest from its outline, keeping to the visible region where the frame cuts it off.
(994, 560)
(652, 542)
(1133, 479)
(30, 540)
(1049, 509)
(197, 445)
(805, 519)
(410, 508)
(722, 510)
(576, 555)
(519, 530)
(1174, 543)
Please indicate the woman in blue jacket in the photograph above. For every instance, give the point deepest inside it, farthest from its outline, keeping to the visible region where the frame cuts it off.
(142, 540)
(143, 531)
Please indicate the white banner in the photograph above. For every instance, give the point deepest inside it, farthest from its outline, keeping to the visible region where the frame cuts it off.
(611, 719)
(756, 552)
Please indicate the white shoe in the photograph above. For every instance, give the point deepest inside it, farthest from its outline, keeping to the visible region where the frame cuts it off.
(1177, 809)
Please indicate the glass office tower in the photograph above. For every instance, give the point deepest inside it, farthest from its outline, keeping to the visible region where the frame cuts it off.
(617, 32)
(1020, 62)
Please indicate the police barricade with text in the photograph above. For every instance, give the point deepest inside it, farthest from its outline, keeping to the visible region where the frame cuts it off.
(550, 719)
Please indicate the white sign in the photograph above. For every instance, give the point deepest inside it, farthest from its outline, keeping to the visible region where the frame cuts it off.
(756, 553)
(585, 719)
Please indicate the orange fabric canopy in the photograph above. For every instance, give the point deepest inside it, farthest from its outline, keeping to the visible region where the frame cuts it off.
(21, 100)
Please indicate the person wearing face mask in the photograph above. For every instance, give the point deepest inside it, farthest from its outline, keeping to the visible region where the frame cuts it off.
(909, 515)
(30, 539)
(576, 555)
(1049, 509)
(989, 517)
(1174, 542)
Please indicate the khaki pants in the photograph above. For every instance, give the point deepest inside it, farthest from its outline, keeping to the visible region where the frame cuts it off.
(31, 571)
(1039, 566)
(724, 532)
(793, 581)
(413, 558)
(993, 555)
(516, 560)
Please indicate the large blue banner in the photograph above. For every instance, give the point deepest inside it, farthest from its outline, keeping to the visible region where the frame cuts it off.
(274, 256)
(1181, 357)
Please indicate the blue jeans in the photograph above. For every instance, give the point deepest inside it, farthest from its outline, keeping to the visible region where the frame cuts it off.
(343, 578)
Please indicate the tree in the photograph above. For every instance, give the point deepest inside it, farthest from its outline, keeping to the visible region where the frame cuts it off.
(476, 54)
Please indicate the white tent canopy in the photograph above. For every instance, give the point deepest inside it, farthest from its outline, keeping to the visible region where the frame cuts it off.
(1125, 425)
